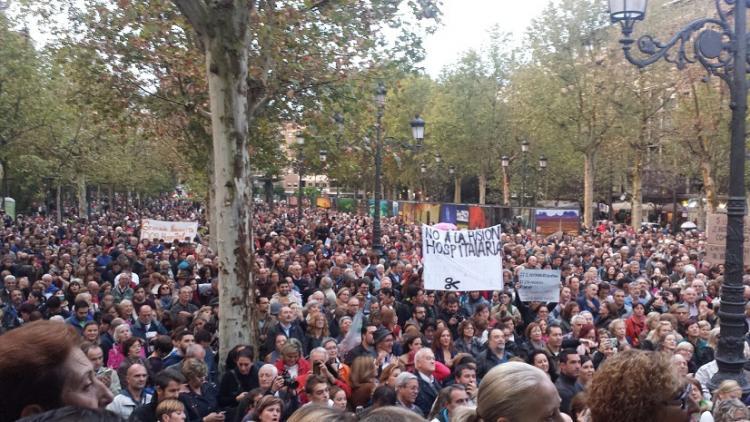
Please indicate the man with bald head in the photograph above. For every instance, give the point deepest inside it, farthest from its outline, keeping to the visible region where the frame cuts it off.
(134, 394)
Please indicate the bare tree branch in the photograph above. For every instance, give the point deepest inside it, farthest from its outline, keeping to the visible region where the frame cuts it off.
(196, 13)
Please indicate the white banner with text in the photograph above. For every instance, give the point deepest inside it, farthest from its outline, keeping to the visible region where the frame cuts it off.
(462, 260)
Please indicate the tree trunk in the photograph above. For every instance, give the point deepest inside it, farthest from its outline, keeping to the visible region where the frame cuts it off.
(268, 190)
(506, 187)
(457, 190)
(58, 202)
(588, 188)
(83, 205)
(3, 183)
(636, 209)
(709, 185)
(224, 33)
(482, 188)
(111, 199)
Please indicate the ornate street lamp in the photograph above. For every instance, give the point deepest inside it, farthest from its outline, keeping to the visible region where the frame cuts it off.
(438, 158)
(338, 118)
(505, 161)
(722, 51)
(452, 170)
(423, 168)
(323, 155)
(543, 172)
(417, 131)
(627, 12)
(300, 167)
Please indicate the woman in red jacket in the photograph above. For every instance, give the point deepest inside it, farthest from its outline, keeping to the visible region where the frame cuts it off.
(636, 324)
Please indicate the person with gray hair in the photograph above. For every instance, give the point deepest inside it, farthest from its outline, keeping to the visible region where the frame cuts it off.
(576, 323)
(730, 410)
(267, 375)
(407, 390)
(326, 286)
(9, 283)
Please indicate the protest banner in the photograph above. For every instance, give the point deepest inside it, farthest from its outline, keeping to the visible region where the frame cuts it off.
(716, 254)
(716, 229)
(168, 230)
(539, 285)
(462, 260)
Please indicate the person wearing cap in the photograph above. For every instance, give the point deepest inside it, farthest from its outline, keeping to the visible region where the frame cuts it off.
(384, 348)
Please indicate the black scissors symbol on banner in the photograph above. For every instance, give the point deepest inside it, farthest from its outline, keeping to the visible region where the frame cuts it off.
(451, 284)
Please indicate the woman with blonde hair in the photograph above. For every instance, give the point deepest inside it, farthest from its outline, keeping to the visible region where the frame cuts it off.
(390, 373)
(727, 390)
(315, 413)
(514, 391)
(170, 410)
(317, 331)
(363, 379)
(656, 336)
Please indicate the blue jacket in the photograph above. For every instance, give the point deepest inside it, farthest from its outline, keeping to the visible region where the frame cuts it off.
(139, 330)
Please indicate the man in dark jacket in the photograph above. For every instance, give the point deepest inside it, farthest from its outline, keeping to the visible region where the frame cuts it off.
(168, 383)
(287, 326)
(429, 387)
(494, 355)
(567, 383)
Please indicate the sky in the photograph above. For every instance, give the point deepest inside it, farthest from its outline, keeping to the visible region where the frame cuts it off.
(465, 26)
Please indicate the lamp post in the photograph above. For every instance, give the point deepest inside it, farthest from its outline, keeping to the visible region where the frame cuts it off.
(524, 153)
(417, 127)
(543, 174)
(417, 131)
(300, 168)
(380, 93)
(505, 163)
(722, 51)
(338, 118)
(454, 178)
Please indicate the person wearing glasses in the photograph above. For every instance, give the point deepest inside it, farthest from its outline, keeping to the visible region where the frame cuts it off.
(639, 386)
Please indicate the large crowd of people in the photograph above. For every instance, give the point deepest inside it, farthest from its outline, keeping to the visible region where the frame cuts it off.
(94, 317)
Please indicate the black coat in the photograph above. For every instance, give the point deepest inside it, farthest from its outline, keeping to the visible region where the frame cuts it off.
(427, 395)
(295, 331)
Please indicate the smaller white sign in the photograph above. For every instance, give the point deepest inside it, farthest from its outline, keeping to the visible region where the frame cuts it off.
(539, 285)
